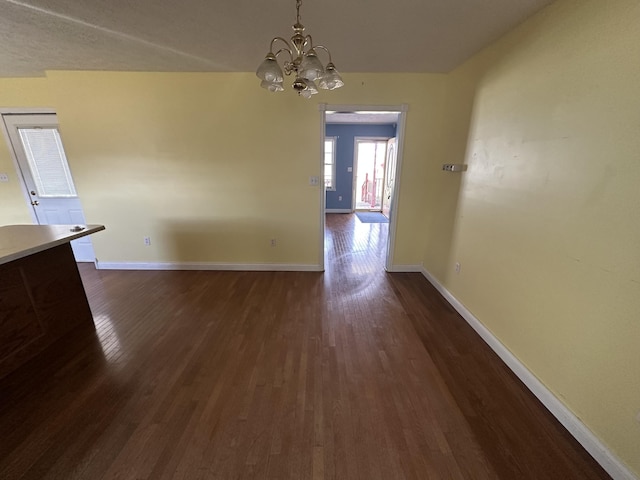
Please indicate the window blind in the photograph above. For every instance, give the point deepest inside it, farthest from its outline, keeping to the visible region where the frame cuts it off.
(47, 162)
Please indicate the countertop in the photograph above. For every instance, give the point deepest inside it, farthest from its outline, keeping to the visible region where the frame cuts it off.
(18, 241)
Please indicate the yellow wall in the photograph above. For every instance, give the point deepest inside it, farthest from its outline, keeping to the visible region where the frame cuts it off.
(211, 166)
(17, 93)
(547, 229)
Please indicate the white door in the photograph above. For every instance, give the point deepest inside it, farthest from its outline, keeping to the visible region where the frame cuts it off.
(389, 176)
(43, 168)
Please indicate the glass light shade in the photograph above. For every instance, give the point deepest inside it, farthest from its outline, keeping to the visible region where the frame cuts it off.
(331, 78)
(311, 86)
(311, 68)
(272, 86)
(269, 70)
(305, 87)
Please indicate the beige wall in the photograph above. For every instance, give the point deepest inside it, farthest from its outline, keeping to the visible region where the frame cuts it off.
(211, 166)
(547, 229)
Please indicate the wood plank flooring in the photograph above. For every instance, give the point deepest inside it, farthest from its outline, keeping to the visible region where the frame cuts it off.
(349, 374)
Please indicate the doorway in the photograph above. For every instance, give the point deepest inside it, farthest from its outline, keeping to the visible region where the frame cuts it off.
(42, 167)
(380, 186)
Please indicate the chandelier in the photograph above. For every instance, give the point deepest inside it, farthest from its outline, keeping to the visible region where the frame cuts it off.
(301, 59)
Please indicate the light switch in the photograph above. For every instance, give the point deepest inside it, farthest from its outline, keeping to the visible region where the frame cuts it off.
(349, 169)
(4, 177)
(454, 167)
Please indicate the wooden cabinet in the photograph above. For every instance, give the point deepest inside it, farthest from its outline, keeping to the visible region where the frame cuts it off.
(41, 299)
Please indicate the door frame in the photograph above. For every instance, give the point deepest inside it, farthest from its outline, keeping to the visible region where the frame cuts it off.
(82, 251)
(14, 157)
(393, 213)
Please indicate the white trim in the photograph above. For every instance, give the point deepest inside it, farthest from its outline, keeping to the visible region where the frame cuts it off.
(244, 267)
(25, 111)
(405, 269)
(323, 107)
(323, 191)
(393, 211)
(334, 141)
(338, 210)
(591, 443)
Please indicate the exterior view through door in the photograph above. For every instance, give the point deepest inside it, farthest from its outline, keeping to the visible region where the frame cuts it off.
(375, 170)
(42, 167)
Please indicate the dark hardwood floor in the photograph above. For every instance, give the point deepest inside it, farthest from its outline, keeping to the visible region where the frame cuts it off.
(349, 374)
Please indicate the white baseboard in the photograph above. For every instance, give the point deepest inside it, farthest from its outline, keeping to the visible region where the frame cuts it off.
(405, 268)
(338, 210)
(591, 443)
(257, 267)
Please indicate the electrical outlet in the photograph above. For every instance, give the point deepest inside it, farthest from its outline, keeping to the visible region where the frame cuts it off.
(313, 181)
(4, 177)
(339, 198)
(147, 241)
(273, 242)
(457, 267)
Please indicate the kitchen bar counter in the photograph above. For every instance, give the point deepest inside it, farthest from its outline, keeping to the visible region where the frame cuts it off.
(41, 293)
(18, 241)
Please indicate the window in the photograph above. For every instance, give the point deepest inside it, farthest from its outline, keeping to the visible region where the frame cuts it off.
(47, 162)
(330, 163)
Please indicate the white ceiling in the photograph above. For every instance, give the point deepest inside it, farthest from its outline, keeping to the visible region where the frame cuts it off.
(234, 35)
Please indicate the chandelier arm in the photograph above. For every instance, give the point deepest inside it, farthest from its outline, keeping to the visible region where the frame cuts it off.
(285, 50)
(322, 47)
(273, 41)
(308, 41)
